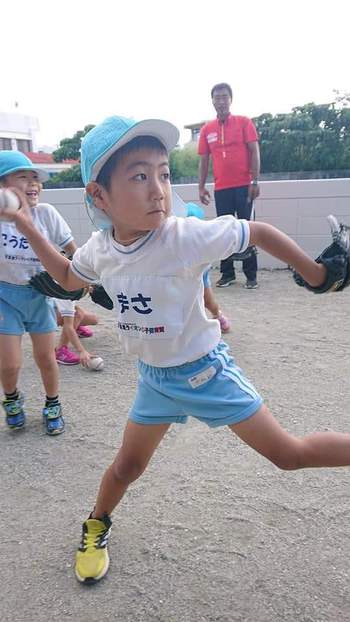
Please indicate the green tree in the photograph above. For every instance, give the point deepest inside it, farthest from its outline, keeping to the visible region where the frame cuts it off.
(311, 137)
(69, 148)
(184, 163)
(66, 178)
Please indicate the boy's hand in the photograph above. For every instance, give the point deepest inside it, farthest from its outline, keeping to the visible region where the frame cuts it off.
(85, 357)
(335, 258)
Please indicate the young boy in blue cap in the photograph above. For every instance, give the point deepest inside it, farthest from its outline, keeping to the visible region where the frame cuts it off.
(22, 308)
(151, 264)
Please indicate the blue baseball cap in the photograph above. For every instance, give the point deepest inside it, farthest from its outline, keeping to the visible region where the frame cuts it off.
(13, 161)
(195, 210)
(103, 140)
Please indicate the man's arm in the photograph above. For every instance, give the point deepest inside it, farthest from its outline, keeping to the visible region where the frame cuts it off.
(204, 194)
(279, 245)
(254, 165)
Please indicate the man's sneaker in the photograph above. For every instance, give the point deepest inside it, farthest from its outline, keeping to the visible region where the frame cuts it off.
(92, 559)
(251, 284)
(64, 356)
(53, 420)
(224, 323)
(15, 415)
(225, 281)
(84, 331)
(340, 233)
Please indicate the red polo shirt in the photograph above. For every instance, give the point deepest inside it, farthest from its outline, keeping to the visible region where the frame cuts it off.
(227, 144)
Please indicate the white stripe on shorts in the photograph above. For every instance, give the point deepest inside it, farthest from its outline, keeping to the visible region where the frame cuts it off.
(242, 383)
(234, 375)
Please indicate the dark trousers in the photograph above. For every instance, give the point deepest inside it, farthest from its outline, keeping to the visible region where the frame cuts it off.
(235, 201)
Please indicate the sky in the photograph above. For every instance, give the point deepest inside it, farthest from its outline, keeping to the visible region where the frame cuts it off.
(72, 63)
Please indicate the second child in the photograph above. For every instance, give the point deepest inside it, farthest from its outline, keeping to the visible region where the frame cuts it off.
(22, 308)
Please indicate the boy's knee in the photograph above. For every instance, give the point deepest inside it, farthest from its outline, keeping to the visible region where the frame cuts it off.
(127, 470)
(288, 459)
(10, 369)
(46, 359)
(290, 462)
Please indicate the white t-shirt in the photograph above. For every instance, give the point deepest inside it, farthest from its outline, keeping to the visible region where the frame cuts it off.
(18, 261)
(156, 284)
(65, 307)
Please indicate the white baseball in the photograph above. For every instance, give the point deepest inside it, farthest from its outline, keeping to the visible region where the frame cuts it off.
(9, 204)
(95, 363)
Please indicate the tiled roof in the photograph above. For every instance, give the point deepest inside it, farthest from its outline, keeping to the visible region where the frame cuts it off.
(45, 158)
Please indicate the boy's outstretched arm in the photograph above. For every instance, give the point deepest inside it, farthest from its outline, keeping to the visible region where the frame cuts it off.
(56, 264)
(279, 245)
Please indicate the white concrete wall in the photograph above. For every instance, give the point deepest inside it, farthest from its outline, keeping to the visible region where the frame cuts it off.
(299, 208)
(70, 203)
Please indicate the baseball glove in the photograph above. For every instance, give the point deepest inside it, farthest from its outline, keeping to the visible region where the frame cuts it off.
(249, 252)
(335, 258)
(99, 295)
(46, 285)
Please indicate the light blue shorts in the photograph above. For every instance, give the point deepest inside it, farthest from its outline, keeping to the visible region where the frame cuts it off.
(24, 309)
(211, 389)
(206, 278)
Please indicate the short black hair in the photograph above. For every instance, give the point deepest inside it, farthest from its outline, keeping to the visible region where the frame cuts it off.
(219, 87)
(140, 142)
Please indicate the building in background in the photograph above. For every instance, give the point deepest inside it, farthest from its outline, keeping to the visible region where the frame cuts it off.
(46, 162)
(19, 132)
(195, 129)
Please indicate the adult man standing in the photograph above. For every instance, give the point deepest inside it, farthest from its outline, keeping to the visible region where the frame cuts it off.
(232, 143)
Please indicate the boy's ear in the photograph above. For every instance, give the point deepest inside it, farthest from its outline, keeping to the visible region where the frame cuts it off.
(97, 193)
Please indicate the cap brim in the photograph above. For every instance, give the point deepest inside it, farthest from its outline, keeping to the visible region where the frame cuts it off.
(166, 133)
(42, 175)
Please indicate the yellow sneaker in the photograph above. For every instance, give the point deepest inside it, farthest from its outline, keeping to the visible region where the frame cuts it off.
(92, 560)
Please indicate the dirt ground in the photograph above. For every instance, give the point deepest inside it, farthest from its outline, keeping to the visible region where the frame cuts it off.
(212, 531)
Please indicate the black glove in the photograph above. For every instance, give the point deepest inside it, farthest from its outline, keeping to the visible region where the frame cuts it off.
(46, 285)
(335, 258)
(100, 297)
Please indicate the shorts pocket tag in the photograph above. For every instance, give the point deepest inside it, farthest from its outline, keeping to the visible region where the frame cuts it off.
(202, 378)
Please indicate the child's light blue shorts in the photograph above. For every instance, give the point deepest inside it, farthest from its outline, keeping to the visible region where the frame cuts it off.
(24, 309)
(211, 389)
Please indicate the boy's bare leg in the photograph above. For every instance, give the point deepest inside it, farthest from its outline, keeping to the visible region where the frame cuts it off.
(210, 302)
(139, 444)
(45, 358)
(82, 317)
(263, 433)
(10, 361)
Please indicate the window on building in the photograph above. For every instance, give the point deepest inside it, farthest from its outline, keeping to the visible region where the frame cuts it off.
(5, 144)
(195, 133)
(24, 145)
